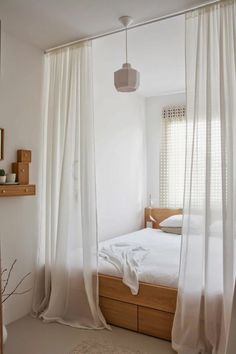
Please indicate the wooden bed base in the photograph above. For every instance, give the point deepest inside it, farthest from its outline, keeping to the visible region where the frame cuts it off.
(151, 311)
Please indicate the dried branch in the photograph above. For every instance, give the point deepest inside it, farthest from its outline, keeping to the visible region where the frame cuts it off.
(20, 293)
(16, 287)
(4, 271)
(8, 276)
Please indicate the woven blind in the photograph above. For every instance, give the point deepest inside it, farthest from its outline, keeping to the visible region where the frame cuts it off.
(172, 157)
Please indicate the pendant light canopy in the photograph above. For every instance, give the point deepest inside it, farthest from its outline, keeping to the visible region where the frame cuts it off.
(126, 79)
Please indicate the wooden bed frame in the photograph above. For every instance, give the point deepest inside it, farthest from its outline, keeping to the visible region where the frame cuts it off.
(152, 310)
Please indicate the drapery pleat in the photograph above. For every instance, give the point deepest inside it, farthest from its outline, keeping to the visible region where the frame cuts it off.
(66, 288)
(207, 270)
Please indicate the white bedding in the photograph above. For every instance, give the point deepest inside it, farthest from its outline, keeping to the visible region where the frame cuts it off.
(160, 265)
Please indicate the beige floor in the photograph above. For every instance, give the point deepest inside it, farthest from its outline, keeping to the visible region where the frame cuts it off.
(31, 336)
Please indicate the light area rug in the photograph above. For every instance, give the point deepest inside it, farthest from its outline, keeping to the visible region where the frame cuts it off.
(102, 348)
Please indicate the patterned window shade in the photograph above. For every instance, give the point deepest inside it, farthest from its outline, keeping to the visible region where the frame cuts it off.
(172, 157)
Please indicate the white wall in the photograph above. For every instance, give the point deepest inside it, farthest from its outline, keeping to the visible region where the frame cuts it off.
(120, 146)
(154, 107)
(20, 116)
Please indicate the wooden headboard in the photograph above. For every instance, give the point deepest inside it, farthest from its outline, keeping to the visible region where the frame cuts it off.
(159, 214)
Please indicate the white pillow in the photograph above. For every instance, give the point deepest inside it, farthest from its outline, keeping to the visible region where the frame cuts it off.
(172, 230)
(173, 221)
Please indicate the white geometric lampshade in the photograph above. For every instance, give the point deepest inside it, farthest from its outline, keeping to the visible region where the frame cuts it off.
(126, 79)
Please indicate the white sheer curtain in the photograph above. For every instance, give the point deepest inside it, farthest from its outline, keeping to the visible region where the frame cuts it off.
(207, 270)
(67, 284)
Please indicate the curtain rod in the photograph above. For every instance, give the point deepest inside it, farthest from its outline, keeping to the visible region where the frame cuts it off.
(140, 24)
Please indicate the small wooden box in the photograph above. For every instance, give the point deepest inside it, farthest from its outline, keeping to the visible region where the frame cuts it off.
(24, 156)
(22, 172)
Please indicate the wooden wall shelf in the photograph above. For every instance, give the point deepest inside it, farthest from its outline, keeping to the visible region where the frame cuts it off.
(17, 190)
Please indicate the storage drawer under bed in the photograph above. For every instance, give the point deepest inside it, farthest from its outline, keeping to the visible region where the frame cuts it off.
(119, 313)
(155, 323)
(137, 318)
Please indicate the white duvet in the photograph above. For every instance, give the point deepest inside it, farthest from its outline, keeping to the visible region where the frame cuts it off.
(148, 255)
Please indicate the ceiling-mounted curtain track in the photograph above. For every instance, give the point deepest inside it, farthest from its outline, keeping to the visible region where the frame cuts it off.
(157, 19)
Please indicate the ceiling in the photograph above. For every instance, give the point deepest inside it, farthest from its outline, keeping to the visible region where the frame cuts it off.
(156, 50)
(47, 23)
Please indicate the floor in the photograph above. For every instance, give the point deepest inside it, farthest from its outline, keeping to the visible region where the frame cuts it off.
(31, 336)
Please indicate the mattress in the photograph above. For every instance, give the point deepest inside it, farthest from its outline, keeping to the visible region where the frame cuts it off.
(161, 264)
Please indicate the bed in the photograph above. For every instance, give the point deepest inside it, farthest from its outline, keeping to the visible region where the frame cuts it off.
(152, 310)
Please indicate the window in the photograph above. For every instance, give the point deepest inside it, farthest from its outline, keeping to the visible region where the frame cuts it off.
(172, 157)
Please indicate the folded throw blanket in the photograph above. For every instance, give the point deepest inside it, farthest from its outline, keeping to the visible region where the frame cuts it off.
(127, 259)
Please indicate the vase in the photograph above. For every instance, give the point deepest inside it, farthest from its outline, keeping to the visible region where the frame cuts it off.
(3, 179)
(4, 334)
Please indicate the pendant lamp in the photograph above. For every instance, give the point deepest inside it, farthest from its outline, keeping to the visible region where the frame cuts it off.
(126, 79)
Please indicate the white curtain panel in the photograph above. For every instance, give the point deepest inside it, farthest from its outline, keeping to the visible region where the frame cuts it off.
(66, 288)
(207, 270)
